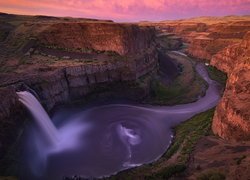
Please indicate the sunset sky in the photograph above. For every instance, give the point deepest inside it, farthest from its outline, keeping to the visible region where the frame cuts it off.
(127, 10)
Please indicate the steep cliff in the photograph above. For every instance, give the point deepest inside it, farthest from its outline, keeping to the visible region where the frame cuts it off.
(208, 35)
(232, 117)
(121, 38)
(198, 47)
(67, 61)
(11, 118)
(64, 59)
(224, 42)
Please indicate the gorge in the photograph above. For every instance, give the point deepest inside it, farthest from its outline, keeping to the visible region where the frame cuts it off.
(136, 127)
(73, 62)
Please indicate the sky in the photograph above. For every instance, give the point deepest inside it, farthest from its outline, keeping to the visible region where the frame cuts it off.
(127, 10)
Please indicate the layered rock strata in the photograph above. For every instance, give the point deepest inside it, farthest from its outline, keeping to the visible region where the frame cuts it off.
(225, 44)
(129, 52)
(120, 38)
(208, 36)
(232, 117)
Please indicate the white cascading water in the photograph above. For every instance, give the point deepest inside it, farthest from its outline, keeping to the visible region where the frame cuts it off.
(60, 138)
(40, 115)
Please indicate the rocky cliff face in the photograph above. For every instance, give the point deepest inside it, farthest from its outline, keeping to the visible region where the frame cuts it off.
(232, 117)
(120, 38)
(208, 36)
(11, 118)
(117, 55)
(96, 53)
(225, 43)
(198, 46)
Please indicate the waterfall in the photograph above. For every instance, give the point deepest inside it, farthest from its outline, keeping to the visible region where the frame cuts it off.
(40, 115)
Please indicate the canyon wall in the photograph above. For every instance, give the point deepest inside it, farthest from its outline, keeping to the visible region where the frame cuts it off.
(232, 116)
(11, 118)
(207, 36)
(225, 43)
(120, 38)
(64, 80)
(198, 48)
(59, 81)
(77, 81)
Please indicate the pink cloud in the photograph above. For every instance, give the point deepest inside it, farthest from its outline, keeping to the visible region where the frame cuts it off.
(128, 10)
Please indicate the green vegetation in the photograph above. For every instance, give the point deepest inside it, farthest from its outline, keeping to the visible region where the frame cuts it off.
(187, 87)
(168, 172)
(217, 75)
(169, 42)
(165, 93)
(211, 175)
(175, 160)
(112, 54)
(178, 92)
(186, 136)
(6, 69)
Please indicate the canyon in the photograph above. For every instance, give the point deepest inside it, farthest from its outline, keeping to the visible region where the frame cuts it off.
(231, 120)
(223, 43)
(26, 62)
(66, 60)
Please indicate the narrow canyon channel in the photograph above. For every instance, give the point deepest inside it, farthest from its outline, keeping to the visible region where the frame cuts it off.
(103, 140)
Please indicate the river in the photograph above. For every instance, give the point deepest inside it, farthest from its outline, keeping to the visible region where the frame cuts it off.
(103, 140)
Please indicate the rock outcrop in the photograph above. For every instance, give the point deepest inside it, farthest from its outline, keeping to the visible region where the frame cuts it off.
(120, 38)
(198, 48)
(207, 36)
(232, 117)
(168, 41)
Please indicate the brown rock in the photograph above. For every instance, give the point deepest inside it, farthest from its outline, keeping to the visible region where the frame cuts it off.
(232, 117)
(123, 39)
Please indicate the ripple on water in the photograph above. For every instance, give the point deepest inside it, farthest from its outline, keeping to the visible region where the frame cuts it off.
(105, 140)
(100, 142)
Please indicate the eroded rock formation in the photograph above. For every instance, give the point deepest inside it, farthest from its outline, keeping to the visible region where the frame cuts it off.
(207, 35)
(225, 43)
(121, 38)
(232, 117)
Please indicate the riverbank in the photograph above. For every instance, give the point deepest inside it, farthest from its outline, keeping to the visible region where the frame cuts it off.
(187, 87)
(175, 160)
(180, 159)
